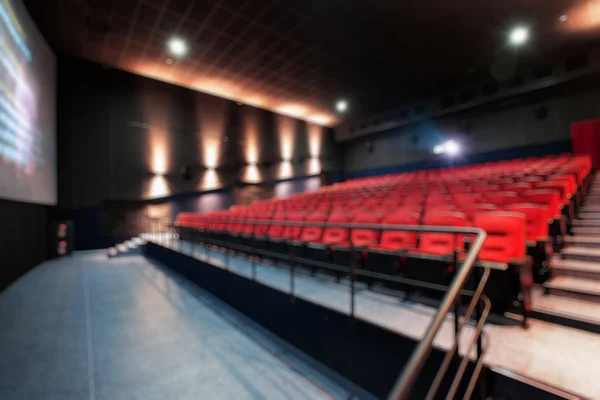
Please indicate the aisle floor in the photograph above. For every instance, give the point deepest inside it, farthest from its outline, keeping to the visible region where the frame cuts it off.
(89, 327)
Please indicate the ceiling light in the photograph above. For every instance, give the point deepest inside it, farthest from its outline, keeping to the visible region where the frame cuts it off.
(177, 47)
(169, 61)
(563, 18)
(519, 35)
(341, 106)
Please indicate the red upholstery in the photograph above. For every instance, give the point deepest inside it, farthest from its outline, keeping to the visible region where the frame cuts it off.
(261, 230)
(502, 198)
(293, 232)
(562, 186)
(313, 233)
(471, 209)
(276, 231)
(334, 235)
(441, 243)
(548, 198)
(536, 216)
(505, 239)
(394, 240)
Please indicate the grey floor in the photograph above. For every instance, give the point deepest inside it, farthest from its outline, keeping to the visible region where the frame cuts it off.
(559, 356)
(86, 327)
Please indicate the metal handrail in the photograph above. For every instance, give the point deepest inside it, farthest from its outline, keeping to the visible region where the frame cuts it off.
(437, 381)
(405, 382)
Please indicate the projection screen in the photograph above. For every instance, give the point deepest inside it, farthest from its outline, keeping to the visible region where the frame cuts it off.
(27, 109)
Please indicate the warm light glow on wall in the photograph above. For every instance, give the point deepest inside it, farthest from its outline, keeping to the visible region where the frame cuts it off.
(583, 17)
(251, 144)
(320, 119)
(210, 180)
(159, 157)
(315, 139)
(285, 131)
(285, 170)
(314, 166)
(211, 117)
(292, 110)
(252, 174)
(159, 187)
(157, 113)
(226, 88)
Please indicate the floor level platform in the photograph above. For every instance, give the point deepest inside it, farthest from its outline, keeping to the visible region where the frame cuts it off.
(556, 357)
(90, 327)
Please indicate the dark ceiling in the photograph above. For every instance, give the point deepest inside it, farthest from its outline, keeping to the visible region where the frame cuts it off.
(299, 56)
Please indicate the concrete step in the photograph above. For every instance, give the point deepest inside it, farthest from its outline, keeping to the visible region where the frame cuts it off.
(583, 241)
(574, 313)
(581, 253)
(589, 215)
(586, 231)
(575, 268)
(578, 288)
(590, 208)
(586, 222)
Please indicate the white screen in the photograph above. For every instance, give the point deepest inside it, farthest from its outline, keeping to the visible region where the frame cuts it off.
(27, 109)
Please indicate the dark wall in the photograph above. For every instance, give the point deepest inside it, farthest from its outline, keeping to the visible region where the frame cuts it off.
(23, 239)
(122, 136)
(531, 124)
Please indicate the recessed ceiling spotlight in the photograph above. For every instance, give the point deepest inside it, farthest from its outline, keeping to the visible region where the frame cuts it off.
(563, 18)
(519, 35)
(177, 47)
(341, 106)
(169, 61)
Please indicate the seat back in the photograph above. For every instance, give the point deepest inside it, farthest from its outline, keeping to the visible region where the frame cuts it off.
(562, 186)
(536, 218)
(262, 229)
(393, 240)
(502, 198)
(276, 230)
(334, 234)
(548, 198)
(441, 243)
(294, 232)
(520, 187)
(471, 209)
(363, 237)
(313, 233)
(248, 228)
(505, 239)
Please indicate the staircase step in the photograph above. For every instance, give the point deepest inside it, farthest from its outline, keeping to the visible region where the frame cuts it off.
(586, 222)
(590, 208)
(579, 288)
(583, 241)
(586, 230)
(576, 268)
(581, 253)
(589, 215)
(574, 313)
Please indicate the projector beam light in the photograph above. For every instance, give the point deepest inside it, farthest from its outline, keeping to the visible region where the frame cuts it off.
(449, 147)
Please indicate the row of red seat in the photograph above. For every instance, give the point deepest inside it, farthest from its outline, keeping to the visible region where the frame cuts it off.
(515, 202)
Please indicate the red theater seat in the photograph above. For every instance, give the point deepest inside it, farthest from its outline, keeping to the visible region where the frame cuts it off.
(435, 243)
(505, 241)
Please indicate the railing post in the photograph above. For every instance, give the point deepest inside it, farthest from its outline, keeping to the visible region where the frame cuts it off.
(292, 270)
(352, 280)
(458, 302)
(481, 380)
